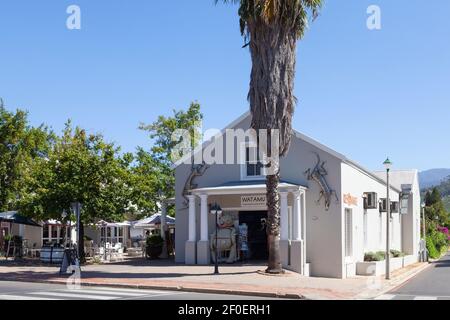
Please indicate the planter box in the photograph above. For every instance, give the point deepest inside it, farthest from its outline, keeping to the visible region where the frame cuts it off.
(409, 260)
(52, 255)
(374, 268)
(378, 268)
(396, 263)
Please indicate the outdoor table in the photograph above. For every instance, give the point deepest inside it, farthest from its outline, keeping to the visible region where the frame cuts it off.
(108, 253)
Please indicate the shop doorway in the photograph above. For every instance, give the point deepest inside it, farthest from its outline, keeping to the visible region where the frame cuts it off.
(257, 236)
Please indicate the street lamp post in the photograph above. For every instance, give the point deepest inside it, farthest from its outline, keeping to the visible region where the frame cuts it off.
(424, 240)
(216, 210)
(76, 208)
(387, 164)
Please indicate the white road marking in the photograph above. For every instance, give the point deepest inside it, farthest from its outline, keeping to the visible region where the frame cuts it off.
(425, 298)
(105, 292)
(72, 295)
(137, 291)
(21, 298)
(385, 297)
(92, 293)
(156, 295)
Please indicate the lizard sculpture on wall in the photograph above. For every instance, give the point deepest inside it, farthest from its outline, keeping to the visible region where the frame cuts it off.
(318, 175)
(196, 171)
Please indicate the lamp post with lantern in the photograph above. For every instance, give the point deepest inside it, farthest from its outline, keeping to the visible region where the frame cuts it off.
(216, 210)
(388, 164)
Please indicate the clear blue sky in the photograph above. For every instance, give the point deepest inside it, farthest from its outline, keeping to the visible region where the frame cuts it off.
(366, 94)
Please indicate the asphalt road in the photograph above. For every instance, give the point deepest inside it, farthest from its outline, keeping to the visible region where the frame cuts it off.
(38, 291)
(431, 284)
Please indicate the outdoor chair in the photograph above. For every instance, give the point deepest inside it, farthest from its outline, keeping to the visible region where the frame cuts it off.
(117, 252)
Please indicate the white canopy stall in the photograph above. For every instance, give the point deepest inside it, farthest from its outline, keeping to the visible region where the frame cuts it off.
(114, 232)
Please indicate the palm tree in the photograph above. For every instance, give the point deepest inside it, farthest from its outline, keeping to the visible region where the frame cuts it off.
(271, 29)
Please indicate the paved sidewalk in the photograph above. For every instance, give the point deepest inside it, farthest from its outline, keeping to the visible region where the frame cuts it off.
(234, 279)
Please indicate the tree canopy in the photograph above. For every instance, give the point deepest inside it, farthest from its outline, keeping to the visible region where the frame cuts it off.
(79, 168)
(435, 211)
(42, 173)
(287, 14)
(158, 161)
(21, 146)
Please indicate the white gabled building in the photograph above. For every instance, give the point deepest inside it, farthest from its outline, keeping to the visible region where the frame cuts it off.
(314, 241)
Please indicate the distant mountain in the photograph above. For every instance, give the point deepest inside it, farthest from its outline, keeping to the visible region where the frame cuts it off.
(432, 177)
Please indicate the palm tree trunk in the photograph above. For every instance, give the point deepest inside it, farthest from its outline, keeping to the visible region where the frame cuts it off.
(273, 224)
(273, 52)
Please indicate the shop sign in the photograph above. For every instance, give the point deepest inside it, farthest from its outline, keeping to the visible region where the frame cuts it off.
(350, 200)
(4, 225)
(254, 201)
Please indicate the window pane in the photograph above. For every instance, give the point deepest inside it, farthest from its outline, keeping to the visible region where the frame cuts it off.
(54, 232)
(254, 166)
(348, 233)
(250, 170)
(258, 169)
(45, 231)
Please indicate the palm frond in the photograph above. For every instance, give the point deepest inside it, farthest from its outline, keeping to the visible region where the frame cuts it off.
(291, 15)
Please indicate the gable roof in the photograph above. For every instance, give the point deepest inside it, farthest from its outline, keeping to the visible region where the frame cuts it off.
(206, 143)
(400, 177)
(300, 136)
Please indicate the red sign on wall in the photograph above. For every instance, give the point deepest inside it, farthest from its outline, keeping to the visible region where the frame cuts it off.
(350, 200)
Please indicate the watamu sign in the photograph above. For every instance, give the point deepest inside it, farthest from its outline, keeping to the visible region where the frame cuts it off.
(254, 201)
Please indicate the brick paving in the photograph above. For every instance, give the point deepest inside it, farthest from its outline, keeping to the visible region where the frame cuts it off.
(233, 279)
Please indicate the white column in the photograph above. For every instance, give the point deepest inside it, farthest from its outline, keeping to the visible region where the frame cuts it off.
(303, 215)
(303, 234)
(284, 216)
(297, 216)
(204, 217)
(192, 226)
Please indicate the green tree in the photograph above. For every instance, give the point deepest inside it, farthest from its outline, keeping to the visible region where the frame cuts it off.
(272, 28)
(435, 212)
(151, 180)
(156, 166)
(21, 145)
(80, 168)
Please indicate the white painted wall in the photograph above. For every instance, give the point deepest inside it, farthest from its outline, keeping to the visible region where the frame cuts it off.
(325, 229)
(356, 182)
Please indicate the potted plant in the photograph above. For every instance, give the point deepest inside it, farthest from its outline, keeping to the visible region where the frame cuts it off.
(154, 246)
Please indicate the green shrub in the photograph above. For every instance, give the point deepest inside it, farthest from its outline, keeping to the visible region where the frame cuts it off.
(96, 260)
(438, 243)
(432, 251)
(381, 255)
(397, 253)
(374, 256)
(154, 240)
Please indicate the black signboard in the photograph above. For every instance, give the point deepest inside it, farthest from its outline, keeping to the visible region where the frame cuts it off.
(70, 258)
